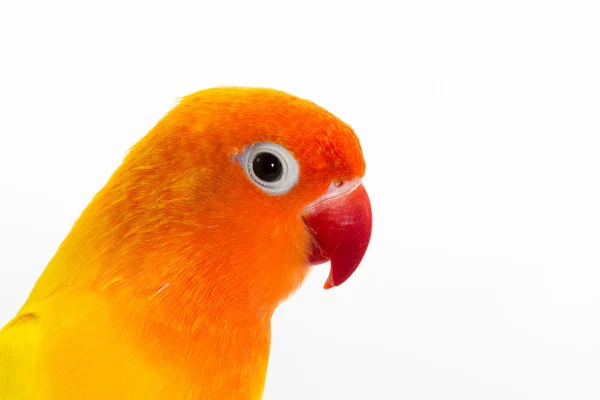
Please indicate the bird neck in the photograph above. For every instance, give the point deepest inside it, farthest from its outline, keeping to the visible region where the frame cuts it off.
(186, 328)
(190, 309)
(191, 294)
(214, 354)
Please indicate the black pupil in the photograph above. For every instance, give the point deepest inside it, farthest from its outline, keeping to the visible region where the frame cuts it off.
(267, 167)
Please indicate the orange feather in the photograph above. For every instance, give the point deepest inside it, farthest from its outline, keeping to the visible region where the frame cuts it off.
(166, 284)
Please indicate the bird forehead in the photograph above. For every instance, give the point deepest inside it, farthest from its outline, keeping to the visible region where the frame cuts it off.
(239, 117)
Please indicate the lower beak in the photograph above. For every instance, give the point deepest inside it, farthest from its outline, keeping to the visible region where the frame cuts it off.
(340, 223)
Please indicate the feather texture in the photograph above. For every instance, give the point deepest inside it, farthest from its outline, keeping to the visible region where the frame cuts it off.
(166, 284)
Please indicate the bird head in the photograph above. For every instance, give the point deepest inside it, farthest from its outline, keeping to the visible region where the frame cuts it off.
(234, 194)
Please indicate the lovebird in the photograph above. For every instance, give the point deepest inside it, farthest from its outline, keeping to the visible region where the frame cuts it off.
(166, 284)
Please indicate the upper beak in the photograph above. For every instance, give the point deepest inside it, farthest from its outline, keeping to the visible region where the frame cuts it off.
(340, 223)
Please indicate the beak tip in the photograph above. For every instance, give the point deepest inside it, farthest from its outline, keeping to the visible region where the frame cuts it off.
(329, 283)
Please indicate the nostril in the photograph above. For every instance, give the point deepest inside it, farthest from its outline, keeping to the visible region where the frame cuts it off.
(336, 188)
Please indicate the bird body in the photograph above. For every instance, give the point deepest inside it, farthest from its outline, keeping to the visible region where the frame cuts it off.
(166, 284)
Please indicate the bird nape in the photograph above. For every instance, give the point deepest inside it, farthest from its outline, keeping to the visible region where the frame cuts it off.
(166, 284)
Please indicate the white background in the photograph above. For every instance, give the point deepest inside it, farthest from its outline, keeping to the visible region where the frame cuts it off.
(480, 123)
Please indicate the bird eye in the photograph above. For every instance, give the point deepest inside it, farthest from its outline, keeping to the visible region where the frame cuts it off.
(271, 167)
(267, 167)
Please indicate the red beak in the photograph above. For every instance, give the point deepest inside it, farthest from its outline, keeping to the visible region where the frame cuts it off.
(340, 223)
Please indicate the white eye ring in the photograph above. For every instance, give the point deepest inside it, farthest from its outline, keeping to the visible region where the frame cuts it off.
(285, 169)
